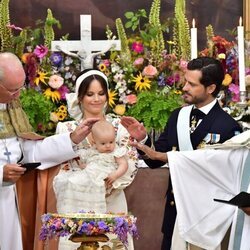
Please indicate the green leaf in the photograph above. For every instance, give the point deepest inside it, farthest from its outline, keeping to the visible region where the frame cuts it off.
(129, 14)
(128, 24)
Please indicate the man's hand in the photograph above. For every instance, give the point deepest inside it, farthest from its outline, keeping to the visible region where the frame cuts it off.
(135, 128)
(84, 128)
(12, 172)
(151, 153)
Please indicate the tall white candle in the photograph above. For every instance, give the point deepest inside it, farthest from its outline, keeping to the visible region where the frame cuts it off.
(193, 41)
(241, 56)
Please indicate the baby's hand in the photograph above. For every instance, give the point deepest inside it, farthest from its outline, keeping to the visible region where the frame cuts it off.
(110, 180)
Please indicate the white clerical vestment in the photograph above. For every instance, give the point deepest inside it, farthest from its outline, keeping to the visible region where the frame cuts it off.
(50, 152)
(202, 175)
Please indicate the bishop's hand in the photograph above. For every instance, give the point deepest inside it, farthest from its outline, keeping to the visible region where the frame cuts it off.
(82, 131)
(12, 172)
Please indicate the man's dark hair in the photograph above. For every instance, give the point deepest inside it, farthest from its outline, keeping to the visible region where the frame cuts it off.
(211, 69)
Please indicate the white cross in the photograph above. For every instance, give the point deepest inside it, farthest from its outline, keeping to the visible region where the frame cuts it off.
(86, 45)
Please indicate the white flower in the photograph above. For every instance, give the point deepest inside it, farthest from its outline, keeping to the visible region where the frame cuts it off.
(55, 81)
(68, 60)
(68, 75)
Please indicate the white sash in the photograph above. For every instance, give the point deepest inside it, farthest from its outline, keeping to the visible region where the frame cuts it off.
(183, 129)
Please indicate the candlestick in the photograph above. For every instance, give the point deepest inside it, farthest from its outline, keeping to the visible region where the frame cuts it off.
(241, 56)
(193, 41)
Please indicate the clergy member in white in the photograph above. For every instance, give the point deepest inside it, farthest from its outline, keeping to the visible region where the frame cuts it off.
(200, 176)
(17, 142)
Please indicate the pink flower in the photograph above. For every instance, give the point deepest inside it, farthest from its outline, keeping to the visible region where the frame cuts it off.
(235, 92)
(150, 71)
(13, 27)
(41, 51)
(131, 99)
(63, 90)
(137, 47)
(55, 81)
(139, 61)
(183, 64)
(106, 62)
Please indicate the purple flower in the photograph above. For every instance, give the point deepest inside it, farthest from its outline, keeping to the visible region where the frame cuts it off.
(103, 226)
(171, 80)
(56, 59)
(161, 80)
(83, 228)
(63, 90)
(234, 89)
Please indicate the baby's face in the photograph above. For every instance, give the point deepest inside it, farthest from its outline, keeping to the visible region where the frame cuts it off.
(105, 143)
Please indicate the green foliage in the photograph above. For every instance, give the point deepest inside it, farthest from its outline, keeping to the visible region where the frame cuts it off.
(154, 108)
(210, 35)
(38, 108)
(5, 32)
(125, 51)
(181, 34)
(134, 19)
(49, 34)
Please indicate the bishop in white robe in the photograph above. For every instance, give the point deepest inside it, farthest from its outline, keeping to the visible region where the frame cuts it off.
(50, 151)
(199, 177)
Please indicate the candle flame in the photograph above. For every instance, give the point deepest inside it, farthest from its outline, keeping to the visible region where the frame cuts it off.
(240, 21)
(193, 23)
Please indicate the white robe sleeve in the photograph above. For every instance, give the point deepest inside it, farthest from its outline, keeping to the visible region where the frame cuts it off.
(51, 151)
(198, 177)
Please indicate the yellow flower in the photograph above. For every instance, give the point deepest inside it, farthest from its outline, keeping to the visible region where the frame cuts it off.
(120, 109)
(41, 77)
(62, 108)
(177, 92)
(112, 97)
(227, 80)
(102, 67)
(221, 56)
(53, 94)
(61, 115)
(141, 82)
(171, 42)
(107, 72)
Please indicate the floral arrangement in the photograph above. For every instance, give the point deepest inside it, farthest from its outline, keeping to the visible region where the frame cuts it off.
(227, 53)
(145, 77)
(50, 75)
(55, 225)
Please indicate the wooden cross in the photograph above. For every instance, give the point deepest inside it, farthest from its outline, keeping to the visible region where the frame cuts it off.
(85, 46)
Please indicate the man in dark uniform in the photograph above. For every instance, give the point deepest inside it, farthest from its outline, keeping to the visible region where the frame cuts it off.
(207, 123)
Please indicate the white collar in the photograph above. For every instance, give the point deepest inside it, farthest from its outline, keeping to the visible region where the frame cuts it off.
(205, 109)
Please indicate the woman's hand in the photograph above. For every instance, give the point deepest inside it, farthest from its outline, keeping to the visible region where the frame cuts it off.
(135, 128)
(151, 153)
(84, 128)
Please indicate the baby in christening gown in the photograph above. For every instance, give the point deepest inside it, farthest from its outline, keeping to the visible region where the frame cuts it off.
(102, 165)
